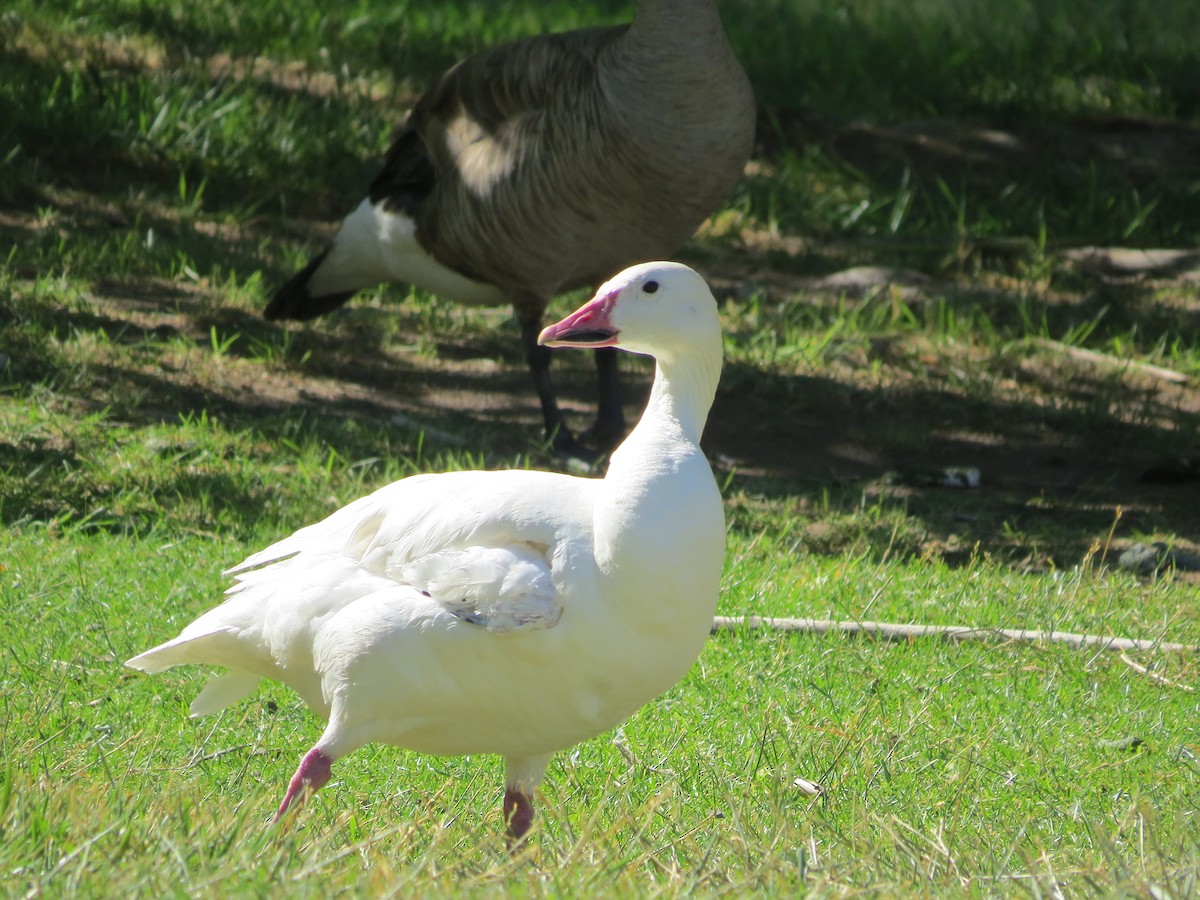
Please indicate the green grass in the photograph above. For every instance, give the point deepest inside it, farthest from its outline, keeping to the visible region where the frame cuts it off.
(163, 165)
(945, 767)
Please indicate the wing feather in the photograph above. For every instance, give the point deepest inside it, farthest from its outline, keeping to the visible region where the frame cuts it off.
(483, 545)
(501, 588)
(475, 126)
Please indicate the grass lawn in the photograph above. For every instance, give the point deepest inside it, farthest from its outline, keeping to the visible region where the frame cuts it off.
(936, 261)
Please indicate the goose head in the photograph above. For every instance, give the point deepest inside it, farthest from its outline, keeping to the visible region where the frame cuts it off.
(659, 309)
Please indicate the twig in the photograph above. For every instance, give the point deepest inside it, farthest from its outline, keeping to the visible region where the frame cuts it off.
(1105, 360)
(211, 756)
(1154, 676)
(895, 632)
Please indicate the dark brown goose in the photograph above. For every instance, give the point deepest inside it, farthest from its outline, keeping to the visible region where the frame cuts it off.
(543, 165)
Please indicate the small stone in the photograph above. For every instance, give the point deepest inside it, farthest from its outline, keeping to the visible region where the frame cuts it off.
(1141, 557)
(808, 787)
(1148, 559)
(1126, 743)
(861, 278)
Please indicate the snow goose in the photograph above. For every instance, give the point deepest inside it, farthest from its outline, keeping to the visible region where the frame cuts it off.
(509, 612)
(545, 165)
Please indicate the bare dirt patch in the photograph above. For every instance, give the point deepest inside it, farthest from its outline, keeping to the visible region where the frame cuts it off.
(1055, 478)
(1071, 452)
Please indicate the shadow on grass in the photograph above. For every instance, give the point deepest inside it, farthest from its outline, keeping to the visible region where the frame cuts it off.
(1052, 476)
(947, 196)
(89, 125)
(1052, 479)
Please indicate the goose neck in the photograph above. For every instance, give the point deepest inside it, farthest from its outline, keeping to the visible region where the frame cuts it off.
(666, 19)
(683, 394)
(680, 397)
(659, 521)
(674, 42)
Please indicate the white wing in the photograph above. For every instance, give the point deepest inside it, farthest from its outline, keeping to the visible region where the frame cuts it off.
(483, 545)
(501, 588)
(492, 550)
(429, 514)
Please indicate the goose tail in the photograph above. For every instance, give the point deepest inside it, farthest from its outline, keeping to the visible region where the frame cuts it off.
(296, 301)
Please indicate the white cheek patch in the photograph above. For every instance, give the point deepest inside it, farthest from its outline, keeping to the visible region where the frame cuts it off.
(483, 159)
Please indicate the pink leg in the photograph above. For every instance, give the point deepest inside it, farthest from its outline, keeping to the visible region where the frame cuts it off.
(518, 814)
(314, 770)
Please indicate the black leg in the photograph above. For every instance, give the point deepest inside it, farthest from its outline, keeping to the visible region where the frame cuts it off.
(609, 428)
(557, 433)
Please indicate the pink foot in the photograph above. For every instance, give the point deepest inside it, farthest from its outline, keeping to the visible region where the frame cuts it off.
(518, 814)
(314, 770)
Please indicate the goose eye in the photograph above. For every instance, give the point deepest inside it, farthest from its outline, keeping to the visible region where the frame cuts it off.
(650, 287)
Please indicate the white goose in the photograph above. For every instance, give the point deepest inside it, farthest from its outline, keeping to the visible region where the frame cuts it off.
(509, 612)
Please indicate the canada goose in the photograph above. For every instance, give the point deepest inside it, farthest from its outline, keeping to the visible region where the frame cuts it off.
(542, 166)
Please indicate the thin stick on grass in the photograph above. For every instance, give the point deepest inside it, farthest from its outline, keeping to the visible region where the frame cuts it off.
(217, 754)
(1154, 676)
(895, 632)
(1103, 359)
